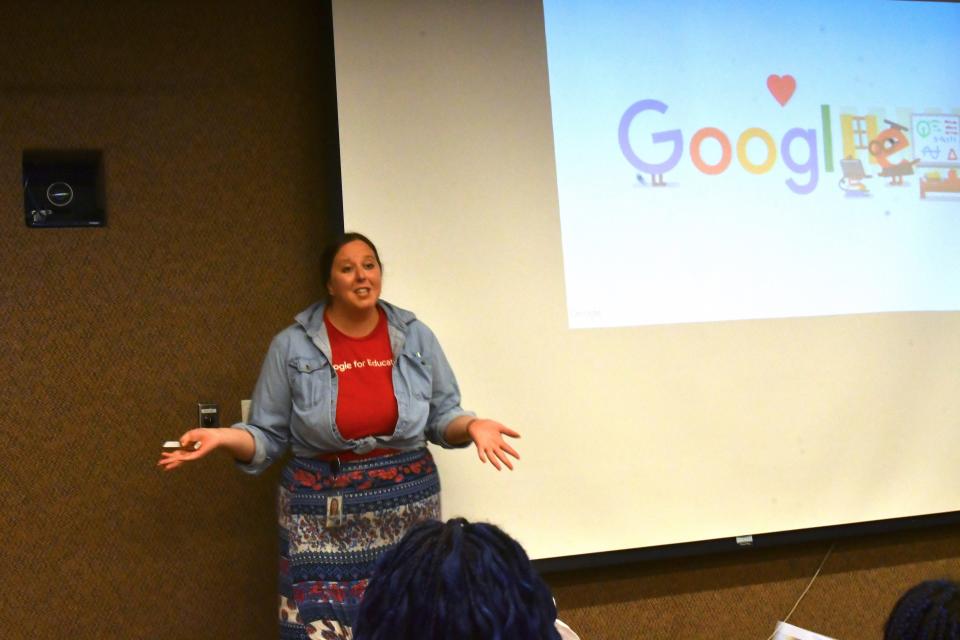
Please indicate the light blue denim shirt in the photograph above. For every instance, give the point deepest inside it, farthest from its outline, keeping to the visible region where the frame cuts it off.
(295, 400)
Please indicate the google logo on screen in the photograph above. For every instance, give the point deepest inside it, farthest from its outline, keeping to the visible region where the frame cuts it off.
(806, 164)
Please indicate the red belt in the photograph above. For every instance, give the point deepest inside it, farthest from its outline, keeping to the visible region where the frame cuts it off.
(351, 456)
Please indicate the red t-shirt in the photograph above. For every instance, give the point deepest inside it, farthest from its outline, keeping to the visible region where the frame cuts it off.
(366, 404)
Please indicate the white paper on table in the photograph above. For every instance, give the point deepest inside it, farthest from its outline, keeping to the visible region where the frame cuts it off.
(786, 631)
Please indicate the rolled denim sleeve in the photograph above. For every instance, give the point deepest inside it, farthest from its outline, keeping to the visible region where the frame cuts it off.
(270, 408)
(445, 396)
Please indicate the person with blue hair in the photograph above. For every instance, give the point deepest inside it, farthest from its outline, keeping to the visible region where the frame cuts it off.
(463, 580)
(928, 611)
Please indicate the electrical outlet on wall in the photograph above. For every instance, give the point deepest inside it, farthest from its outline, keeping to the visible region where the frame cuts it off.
(244, 410)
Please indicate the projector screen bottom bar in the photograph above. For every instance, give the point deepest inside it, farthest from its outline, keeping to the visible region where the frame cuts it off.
(744, 543)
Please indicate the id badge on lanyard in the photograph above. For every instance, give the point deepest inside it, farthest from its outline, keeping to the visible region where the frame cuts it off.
(334, 511)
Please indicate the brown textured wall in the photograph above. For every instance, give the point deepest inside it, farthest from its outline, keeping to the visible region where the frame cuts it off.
(743, 594)
(217, 123)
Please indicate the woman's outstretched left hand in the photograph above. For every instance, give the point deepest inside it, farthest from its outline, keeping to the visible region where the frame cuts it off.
(488, 435)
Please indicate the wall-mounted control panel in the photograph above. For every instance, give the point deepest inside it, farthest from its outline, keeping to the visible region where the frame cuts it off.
(63, 188)
(208, 414)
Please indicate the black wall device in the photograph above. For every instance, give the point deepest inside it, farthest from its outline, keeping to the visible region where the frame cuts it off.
(63, 188)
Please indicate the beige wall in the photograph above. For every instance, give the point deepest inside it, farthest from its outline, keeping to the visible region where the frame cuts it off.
(217, 123)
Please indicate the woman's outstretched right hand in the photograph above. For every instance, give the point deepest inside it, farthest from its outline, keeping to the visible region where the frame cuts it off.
(208, 439)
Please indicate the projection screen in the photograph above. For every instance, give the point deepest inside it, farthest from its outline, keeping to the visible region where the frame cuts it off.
(703, 256)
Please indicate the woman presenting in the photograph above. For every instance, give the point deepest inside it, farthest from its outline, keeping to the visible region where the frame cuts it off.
(355, 387)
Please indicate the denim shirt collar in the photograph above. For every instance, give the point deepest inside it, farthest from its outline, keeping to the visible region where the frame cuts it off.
(311, 319)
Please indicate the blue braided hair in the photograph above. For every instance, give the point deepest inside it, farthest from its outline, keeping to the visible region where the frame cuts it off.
(463, 580)
(928, 611)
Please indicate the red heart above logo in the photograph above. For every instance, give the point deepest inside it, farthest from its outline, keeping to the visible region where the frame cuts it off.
(781, 88)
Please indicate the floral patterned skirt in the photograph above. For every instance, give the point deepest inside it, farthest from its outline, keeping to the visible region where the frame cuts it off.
(335, 524)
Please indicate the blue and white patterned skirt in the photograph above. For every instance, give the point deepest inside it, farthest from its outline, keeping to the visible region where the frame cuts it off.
(334, 527)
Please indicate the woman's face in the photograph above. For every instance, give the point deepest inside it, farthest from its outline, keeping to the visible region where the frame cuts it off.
(355, 277)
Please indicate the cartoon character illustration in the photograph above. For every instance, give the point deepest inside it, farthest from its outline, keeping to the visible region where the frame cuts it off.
(853, 177)
(656, 180)
(888, 142)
